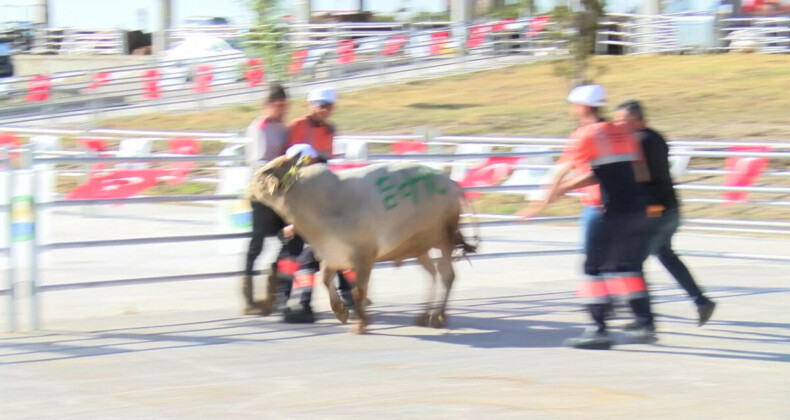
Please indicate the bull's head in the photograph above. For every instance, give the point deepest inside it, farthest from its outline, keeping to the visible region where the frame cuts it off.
(270, 183)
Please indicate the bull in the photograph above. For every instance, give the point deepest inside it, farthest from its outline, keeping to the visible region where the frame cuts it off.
(357, 217)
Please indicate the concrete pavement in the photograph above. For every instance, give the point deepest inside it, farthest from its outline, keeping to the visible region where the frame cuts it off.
(181, 350)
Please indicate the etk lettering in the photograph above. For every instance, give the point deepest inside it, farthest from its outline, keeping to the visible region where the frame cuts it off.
(393, 193)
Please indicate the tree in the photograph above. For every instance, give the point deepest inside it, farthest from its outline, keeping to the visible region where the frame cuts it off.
(267, 37)
(577, 29)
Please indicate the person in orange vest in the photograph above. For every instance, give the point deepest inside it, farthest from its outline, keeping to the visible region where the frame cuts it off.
(663, 203)
(316, 130)
(616, 237)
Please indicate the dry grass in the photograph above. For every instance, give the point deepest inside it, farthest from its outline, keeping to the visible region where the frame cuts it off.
(707, 96)
(724, 96)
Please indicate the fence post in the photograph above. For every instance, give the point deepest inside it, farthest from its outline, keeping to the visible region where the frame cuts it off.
(24, 218)
(10, 280)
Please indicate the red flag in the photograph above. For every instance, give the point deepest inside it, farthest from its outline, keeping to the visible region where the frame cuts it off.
(408, 146)
(477, 34)
(10, 141)
(394, 44)
(117, 184)
(743, 171)
(500, 26)
(438, 40)
(38, 88)
(254, 74)
(491, 172)
(151, 88)
(537, 25)
(343, 166)
(177, 171)
(345, 52)
(205, 73)
(100, 79)
(297, 62)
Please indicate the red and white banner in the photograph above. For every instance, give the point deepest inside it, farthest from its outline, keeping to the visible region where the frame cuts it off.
(116, 184)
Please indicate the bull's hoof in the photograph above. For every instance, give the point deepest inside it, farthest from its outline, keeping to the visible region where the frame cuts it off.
(438, 321)
(358, 328)
(423, 320)
(342, 315)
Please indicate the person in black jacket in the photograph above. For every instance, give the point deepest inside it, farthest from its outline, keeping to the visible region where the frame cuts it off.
(662, 203)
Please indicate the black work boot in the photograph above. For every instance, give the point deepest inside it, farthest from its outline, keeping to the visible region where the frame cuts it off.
(303, 315)
(591, 339)
(250, 306)
(705, 310)
(640, 333)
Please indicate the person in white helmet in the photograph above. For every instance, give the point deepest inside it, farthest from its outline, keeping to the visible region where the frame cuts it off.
(314, 128)
(602, 153)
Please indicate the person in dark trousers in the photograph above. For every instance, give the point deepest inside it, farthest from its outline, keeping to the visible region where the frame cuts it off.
(315, 130)
(615, 236)
(269, 137)
(297, 265)
(662, 204)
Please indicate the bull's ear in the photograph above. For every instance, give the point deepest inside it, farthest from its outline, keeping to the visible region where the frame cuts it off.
(271, 184)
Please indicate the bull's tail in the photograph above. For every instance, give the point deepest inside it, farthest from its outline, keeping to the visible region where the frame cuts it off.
(461, 243)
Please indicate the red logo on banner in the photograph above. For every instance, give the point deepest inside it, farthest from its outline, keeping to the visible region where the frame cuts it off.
(743, 171)
(38, 88)
(117, 184)
(394, 44)
(345, 52)
(254, 76)
(151, 88)
(297, 62)
(491, 172)
(203, 78)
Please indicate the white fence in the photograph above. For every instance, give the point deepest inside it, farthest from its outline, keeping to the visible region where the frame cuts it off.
(26, 204)
(651, 34)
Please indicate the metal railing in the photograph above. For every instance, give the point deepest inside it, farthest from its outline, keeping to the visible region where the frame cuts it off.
(373, 60)
(650, 34)
(711, 225)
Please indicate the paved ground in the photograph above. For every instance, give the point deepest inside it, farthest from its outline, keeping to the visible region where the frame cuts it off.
(181, 350)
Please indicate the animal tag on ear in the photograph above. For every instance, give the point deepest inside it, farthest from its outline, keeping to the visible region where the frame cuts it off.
(304, 160)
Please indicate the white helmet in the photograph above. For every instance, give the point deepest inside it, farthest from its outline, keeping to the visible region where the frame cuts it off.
(323, 95)
(590, 95)
(301, 149)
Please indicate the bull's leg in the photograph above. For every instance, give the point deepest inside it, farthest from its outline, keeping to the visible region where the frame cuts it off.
(360, 294)
(327, 274)
(445, 265)
(425, 261)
